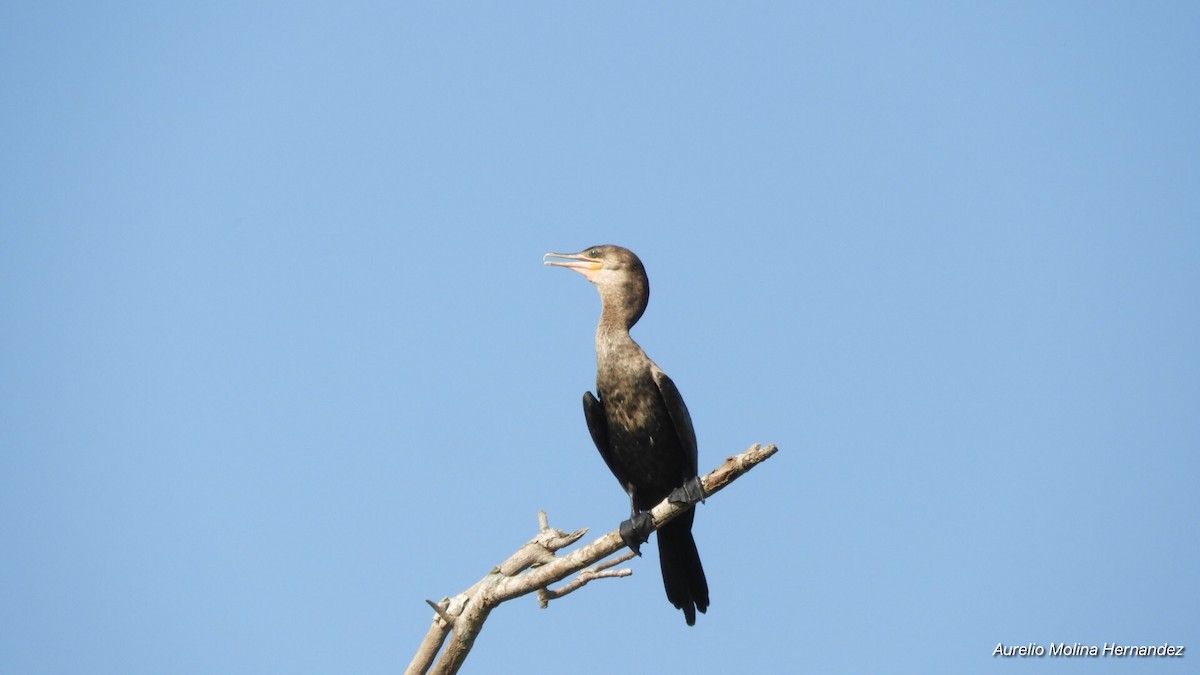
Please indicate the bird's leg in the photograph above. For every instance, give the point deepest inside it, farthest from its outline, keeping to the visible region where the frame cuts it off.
(691, 492)
(636, 531)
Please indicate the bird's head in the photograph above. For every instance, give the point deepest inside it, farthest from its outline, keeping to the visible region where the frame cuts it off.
(599, 264)
(616, 272)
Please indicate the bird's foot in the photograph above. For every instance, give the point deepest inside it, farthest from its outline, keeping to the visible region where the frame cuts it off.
(691, 492)
(636, 531)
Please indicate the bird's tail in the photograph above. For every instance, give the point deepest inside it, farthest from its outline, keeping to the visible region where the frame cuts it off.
(683, 575)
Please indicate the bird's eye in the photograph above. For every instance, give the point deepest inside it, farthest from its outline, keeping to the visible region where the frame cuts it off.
(593, 253)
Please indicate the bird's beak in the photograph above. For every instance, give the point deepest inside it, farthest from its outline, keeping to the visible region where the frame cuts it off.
(575, 261)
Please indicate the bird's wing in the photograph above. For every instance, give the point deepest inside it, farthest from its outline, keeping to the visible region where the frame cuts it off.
(593, 412)
(679, 416)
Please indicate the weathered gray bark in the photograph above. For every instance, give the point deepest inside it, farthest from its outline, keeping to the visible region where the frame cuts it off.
(534, 567)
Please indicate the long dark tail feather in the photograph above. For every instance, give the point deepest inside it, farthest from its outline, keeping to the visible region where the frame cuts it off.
(683, 575)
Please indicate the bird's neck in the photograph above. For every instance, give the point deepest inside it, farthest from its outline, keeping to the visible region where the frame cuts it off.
(614, 344)
(621, 305)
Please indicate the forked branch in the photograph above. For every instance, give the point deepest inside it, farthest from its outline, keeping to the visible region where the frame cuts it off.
(534, 566)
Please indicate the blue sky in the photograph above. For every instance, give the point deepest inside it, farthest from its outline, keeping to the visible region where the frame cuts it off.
(279, 359)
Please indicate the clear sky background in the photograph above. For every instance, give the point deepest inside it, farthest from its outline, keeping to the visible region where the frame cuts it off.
(279, 359)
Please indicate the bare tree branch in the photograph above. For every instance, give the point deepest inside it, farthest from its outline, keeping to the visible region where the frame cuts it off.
(601, 571)
(534, 566)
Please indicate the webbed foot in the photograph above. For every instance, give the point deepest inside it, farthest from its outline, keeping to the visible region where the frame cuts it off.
(636, 531)
(691, 492)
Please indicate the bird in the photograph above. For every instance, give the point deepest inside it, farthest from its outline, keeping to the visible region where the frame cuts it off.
(640, 424)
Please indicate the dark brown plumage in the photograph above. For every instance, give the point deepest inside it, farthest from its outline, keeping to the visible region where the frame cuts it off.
(639, 421)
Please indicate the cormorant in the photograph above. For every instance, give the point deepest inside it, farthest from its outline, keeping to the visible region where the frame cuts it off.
(640, 424)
